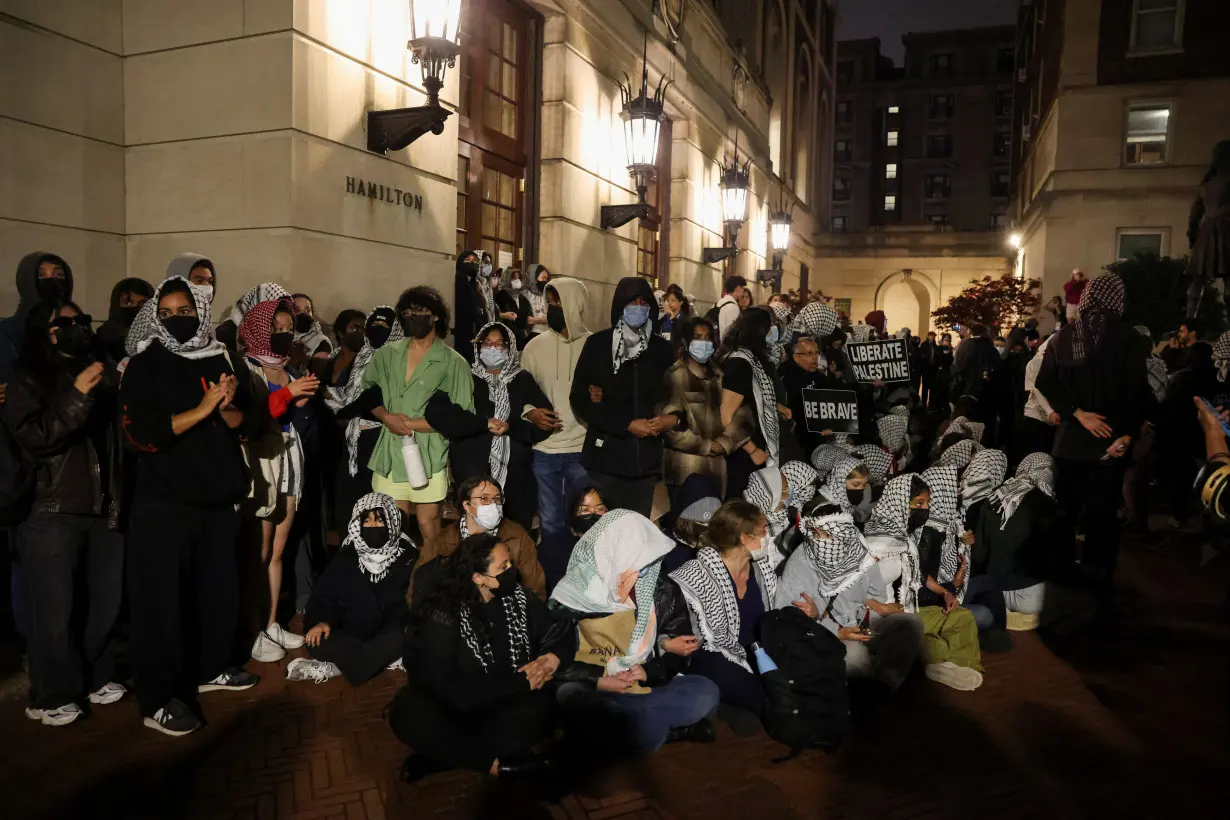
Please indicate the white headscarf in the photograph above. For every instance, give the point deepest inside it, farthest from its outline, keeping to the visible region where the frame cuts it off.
(840, 559)
(764, 490)
(944, 517)
(888, 535)
(497, 389)
(376, 563)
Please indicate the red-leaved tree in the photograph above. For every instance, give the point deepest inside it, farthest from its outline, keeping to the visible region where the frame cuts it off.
(998, 303)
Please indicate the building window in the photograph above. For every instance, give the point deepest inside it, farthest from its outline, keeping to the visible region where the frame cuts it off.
(1004, 61)
(841, 150)
(937, 219)
(999, 220)
(890, 138)
(843, 112)
(1147, 128)
(1003, 103)
(1002, 142)
(939, 186)
(841, 189)
(841, 224)
(939, 145)
(647, 252)
(1157, 24)
(845, 72)
(463, 197)
(940, 107)
(842, 306)
(1000, 182)
(890, 202)
(1131, 242)
(500, 92)
(890, 170)
(941, 65)
(650, 237)
(894, 109)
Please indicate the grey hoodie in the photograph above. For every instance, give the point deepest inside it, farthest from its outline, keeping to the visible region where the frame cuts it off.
(183, 264)
(13, 329)
(551, 360)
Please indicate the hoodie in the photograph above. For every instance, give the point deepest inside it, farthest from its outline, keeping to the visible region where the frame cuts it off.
(551, 360)
(114, 331)
(13, 329)
(183, 264)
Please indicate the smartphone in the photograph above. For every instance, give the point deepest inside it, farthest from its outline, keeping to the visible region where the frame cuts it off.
(1225, 428)
(865, 626)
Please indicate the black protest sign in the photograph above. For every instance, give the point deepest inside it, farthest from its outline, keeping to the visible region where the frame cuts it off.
(886, 360)
(832, 410)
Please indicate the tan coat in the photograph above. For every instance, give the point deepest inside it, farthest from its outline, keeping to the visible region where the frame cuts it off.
(521, 550)
(695, 392)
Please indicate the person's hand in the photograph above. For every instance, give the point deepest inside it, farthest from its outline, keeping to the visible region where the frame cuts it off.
(826, 432)
(212, 398)
(508, 316)
(398, 424)
(304, 387)
(716, 449)
(496, 427)
(662, 424)
(891, 609)
(317, 634)
(950, 602)
(637, 673)
(627, 582)
(1094, 423)
(642, 428)
(682, 645)
(784, 412)
(595, 394)
(536, 673)
(807, 605)
(852, 633)
(1209, 420)
(229, 384)
(544, 419)
(759, 457)
(967, 538)
(1118, 448)
(89, 378)
(613, 683)
(1054, 418)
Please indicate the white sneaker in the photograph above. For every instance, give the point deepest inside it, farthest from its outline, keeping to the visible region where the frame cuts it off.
(284, 639)
(312, 669)
(956, 677)
(60, 716)
(266, 649)
(396, 665)
(109, 693)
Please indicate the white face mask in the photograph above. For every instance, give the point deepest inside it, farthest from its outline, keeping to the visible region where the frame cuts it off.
(762, 550)
(516, 284)
(489, 516)
(209, 292)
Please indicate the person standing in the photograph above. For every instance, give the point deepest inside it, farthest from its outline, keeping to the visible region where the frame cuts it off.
(728, 308)
(1208, 228)
(675, 311)
(1039, 421)
(41, 277)
(749, 380)
(473, 302)
(801, 372)
(127, 297)
(1072, 290)
(534, 286)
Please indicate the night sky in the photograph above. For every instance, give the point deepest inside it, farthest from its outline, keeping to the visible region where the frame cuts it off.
(889, 19)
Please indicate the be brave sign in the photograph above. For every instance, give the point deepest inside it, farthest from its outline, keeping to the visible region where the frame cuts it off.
(379, 193)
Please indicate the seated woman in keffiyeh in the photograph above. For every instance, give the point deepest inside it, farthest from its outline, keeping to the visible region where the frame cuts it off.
(959, 454)
(895, 437)
(495, 438)
(848, 488)
(749, 379)
(878, 462)
(479, 650)
(986, 471)
(824, 457)
(625, 690)
(950, 643)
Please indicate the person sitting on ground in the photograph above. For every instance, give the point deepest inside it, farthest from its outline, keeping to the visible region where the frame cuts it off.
(584, 508)
(959, 454)
(878, 463)
(848, 487)
(825, 457)
(698, 499)
(625, 692)
(356, 614)
(895, 438)
(480, 649)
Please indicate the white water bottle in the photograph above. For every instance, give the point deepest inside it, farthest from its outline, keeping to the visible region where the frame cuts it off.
(415, 474)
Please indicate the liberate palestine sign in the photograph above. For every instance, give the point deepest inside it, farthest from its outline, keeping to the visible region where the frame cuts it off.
(885, 360)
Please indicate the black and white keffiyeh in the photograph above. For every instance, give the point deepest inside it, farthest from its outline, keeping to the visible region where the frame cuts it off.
(146, 327)
(824, 457)
(781, 318)
(842, 440)
(337, 398)
(710, 595)
(801, 481)
(986, 471)
(959, 454)
(764, 490)
(888, 536)
(1221, 356)
(841, 558)
(878, 462)
(862, 332)
(482, 281)
(516, 616)
(961, 424)
(628, 342)
(834, 489)
(766, 401)
(1036, 471)
(945, 518)
(894, 433)
(497, 389)
(376, 563)
(816, 319)
(266, 292)
(534, 294)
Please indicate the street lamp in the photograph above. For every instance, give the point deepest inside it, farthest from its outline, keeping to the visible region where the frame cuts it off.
(779, 241)
(1015, 241)
(434, 46)
(734, 184)
(642, 118)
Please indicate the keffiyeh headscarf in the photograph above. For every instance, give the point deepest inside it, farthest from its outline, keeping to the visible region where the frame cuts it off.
(337, 398)
(824, 457)
(944, 518)
(497, 388)
(529, 287)
(959, 454)
(815, 319)
(312, 338)
(764, 490)
(376, 563)
(621, 540)
(840, 559)
(1221, 356)
(257, 327)
(629, 342)
(801, 480)
(1154, 366)
(878, 462)
(267, 292)
(842, 440)
(862, 333)
(781, 318)
(888, 535)
(894, 433)
(1101, 303)
(482, 281)
(834, 489)
(982, 477)
(1036, 471)
(146, 327)
(962, 425)
(766, 401)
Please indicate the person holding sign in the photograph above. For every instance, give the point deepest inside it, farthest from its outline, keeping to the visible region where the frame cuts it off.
(802, 371)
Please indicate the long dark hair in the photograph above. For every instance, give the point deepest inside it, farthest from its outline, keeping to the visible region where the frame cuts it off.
(452, 588)
(749, 332)
(682, 335)
(38, 356)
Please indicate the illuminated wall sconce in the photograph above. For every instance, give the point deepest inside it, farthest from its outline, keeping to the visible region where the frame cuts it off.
(734, 184)
(642, 118)
(779, 241)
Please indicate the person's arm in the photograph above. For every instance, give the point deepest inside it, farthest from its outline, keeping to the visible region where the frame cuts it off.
(613, 414)
(327, 603)
(363, 405)
(453, 422)
(1050, 386)
(525, 557)
(148, 426)
(1194, 218)
(1031, 378)
(436, 668)
(524, 393)
(43, 425)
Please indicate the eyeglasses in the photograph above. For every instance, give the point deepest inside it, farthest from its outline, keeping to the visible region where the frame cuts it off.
(65, 322)
(484, 500)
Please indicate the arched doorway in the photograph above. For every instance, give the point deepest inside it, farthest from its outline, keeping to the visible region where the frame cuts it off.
(907, 301)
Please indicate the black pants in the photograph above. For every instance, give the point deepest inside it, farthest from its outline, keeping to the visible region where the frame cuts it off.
(1094, 489)
(473, 740)
(621, 493)
(73, 572)
(1033, 436)
(184, 597)
(739, 468)
(361, 660)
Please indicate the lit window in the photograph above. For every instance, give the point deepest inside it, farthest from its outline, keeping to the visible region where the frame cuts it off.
(890, 170)
(841, 224)
(890, 202)
(1157, 24)
(893, 109)
(890, 139)
(1133, 242)
(999, 220)
(1147, 127)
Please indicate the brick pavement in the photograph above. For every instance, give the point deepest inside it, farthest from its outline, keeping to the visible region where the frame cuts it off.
(1122, 718)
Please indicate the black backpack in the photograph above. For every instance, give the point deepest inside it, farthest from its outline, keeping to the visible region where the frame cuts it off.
(16, 480)
(712, 316)
(807, 705)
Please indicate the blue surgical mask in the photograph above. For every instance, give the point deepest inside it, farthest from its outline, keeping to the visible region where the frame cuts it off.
(636, 315)
(701, 350)
(772, 337)
(493, 357)
(486, 269)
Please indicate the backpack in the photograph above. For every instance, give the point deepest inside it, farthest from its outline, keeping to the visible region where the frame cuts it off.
(807, 705)
(16, 480)
(712, 316)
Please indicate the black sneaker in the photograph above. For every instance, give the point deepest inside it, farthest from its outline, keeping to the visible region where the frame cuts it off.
(233, 680)
(174, 719)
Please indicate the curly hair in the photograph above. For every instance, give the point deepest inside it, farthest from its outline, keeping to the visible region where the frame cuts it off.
(452, 589)
(423, 296)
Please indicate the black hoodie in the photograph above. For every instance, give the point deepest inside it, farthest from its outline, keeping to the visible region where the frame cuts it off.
(13, 329)
(114, 331)
(635, 392)
(468, 314)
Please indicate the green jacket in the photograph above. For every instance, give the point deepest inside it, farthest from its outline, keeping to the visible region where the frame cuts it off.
(441, 369)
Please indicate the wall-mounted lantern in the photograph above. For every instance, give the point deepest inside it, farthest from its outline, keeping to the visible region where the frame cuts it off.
(734, 183)
(779, 242)
(642, 118)
(434, 45)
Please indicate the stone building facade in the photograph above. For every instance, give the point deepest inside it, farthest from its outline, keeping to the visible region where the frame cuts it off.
(132, 130)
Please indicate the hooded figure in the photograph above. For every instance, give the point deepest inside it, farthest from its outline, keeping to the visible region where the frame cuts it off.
(1208, 227)
(855, 503)
(473, 302)
(768, 490)
(698, 499)
(31, 289)
(183, 264)
(959, 454)
(534, 292)
(511, 299)
(890, 536)
(878, 462)
(879, 322)
(825, 457)
(982, 477)
(817, 320)
(616, 391)
(114, 332)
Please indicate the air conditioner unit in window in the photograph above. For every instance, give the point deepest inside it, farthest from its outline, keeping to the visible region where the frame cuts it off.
(1026, 132)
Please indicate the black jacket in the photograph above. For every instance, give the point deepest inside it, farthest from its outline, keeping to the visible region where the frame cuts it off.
(974, 363)
(348, 601)
(13, 329)
(469, 312)
(73, 441)
(1024, 550)
(632, 393)
(795, 379)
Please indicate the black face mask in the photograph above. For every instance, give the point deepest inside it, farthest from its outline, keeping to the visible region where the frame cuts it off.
(417, 326)
(182, 328)
(540, 284)
(508, 583)
(855, 496)
(470, 269)
(127, 314)
(74, 341)
(51, 290)
(583, 523)
(375, 537)
(303, 323)
(918, 517)
(555, 318)
(281, 343)
(378, 335)
(354, 340)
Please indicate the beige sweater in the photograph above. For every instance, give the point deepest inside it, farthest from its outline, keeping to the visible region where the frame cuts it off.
(551, 360)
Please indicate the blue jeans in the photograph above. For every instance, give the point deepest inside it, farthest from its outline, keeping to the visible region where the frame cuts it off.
(559, 475)
(681, 702)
